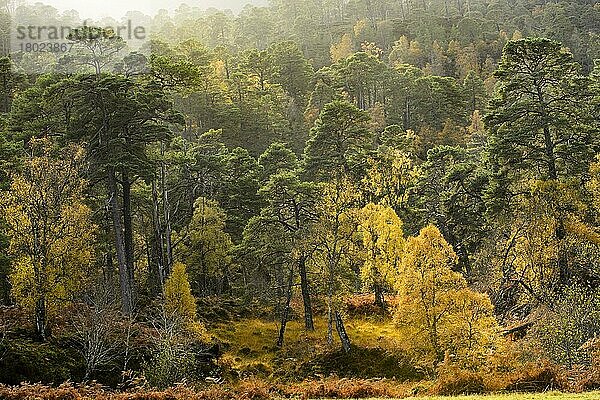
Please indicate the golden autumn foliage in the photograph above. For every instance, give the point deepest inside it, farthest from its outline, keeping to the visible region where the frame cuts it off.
(594, 187)
(51, 231)
(180, 303)
(437, 313)
(391, 176)
(177, 330)
(546, 238)
(333, 235)
(179, 300)
(383, 242)
(343, 49)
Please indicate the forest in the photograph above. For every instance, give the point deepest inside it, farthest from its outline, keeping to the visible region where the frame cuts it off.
(308, 199)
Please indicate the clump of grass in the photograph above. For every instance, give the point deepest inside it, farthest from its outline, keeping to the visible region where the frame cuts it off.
(259, 336)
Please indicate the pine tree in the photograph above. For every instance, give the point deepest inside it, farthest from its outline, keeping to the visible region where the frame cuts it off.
(539, 120)
(339, 142)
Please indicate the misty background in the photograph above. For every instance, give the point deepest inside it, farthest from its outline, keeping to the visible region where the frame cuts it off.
(118, 8)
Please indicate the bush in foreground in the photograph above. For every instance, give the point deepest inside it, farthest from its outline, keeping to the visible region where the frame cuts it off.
(454, 382)
(540, 377)
(246, 390)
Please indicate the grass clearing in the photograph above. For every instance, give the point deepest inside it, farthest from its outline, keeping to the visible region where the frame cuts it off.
(250, 350)
(312, 368)
(251, 342)
(254, 339)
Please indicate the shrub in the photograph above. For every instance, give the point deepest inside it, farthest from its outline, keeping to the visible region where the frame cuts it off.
(361, 363)
(573, 321)
(245, 390)
(454, 381)
(172, 365)
(537, 378)
(334, 387)
(588, 382)
(363, 306)
(254, 390)
(68, 391)
(588, 379)
(25, 360)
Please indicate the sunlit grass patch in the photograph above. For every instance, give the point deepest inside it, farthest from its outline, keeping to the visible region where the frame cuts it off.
(255, 339)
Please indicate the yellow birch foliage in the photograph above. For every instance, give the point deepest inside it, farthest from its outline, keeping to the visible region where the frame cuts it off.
(391, 177)
(50, 229)
(383, 242)
(547, 238)
(437, 313)
(333, 234)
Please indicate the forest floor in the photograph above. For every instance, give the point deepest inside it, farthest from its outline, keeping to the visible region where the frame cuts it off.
(252, 367)
(250, 347)
(254, 339)
(307, 364)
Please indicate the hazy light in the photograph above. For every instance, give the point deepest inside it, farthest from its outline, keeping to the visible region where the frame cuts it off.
(117, 8)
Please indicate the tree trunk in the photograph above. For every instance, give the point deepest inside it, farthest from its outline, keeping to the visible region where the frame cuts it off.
(406, 122)
(551, 159)
(154, 268)
(128, 232)
(341, 330)
(435, 343)
(379, 298)
(158, 259)
(330, 310)
(564, 274)
(459, 6)
(40, 317)
(109, 270)
(168, 256)
(126, 296)
(285, 315)
(308, 315)
(548, 143)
